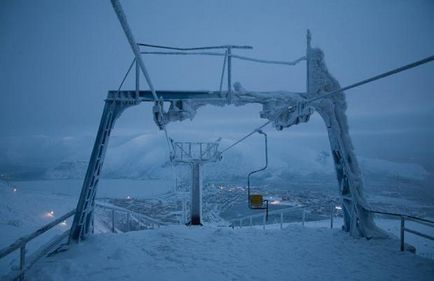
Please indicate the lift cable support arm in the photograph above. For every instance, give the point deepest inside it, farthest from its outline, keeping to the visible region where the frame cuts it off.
(223, 72)
(246, 136)
(126, 75)
(136, 50)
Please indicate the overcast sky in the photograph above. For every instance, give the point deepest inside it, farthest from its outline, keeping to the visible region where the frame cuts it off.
(58, 59)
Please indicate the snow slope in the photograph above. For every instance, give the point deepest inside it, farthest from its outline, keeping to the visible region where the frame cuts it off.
(208, 253)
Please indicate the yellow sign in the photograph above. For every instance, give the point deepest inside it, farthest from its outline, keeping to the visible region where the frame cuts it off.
(256, 200)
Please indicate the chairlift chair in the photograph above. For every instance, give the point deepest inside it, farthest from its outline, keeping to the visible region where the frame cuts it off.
(256, 201)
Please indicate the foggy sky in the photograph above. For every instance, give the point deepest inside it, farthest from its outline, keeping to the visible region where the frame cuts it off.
(58, 59)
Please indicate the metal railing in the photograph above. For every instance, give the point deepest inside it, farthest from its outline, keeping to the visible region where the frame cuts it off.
(280, 214)
(21, 244)
(404, 229)
(25, 263)
(333, 209)
(143, 221)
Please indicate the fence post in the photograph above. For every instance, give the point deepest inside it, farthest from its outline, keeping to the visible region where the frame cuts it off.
(281, 220)
(402, 233)
(303, 217)
(331, 216)
(128, 221)
(113, 220)
(263, 222)
(22, 261)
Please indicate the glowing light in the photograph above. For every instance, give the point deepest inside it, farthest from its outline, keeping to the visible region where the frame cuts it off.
(128, 197)
(275, 202)
(338, 208)
(50, 214)
(14, 190)
(63, 223)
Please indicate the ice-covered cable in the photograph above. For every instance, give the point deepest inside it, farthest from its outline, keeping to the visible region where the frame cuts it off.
(246, 136)
(183, 53)
(195, 48)
(257, 129)
(289, 63)
(377, 77)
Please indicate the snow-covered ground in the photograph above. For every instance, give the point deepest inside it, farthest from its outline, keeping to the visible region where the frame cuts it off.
(211, 253)
(225, 253)
(424, 247)
(26, 206)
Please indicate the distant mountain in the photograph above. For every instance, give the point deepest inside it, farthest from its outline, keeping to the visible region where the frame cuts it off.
(145, 157)
(68, 170)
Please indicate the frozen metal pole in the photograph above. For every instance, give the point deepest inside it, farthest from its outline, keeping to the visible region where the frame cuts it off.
(303, 217)
(22, 261)
(196, 196)
(137, 80)
(128, 222)
(402, 233)
(113, 220)
(124, 23)
(229, 54)
(308, 47)
(263, 222)
(331, 216)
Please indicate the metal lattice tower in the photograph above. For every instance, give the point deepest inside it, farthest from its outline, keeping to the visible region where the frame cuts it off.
(195, 154)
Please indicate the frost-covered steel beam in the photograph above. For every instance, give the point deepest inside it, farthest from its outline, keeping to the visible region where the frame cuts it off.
(146, 95)
(184, 104)
(358, 220)
(82, 224)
